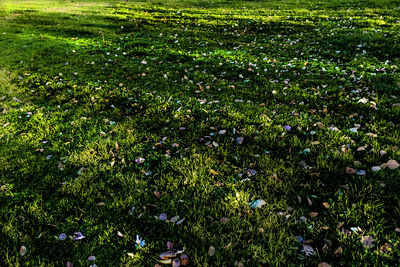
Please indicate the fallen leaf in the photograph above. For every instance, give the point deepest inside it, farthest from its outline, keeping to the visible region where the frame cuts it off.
(257, 203)
(184, 259)
(376, 168)
(168, 261)
(313, 214)
(22, 250)
(78, 236)
(176, 263)
(157, 194)
(338, 251)
(139, 160)
(308, 250)
(392, 164)
(350, 170)
(326, 205)
(361, 172)
(174, 219)
(62, 236)
(239, 140)
(180, 221)
(367, 241)
(169, 245)
(356, 229)
(324, 264)
(211, 251)
(167, 255)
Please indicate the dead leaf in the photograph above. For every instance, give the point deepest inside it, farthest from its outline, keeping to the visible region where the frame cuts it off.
(326, 205)
(339, 225)
(392, 164)
(324, 264)
(239, 140)
(211, 251)
(308, 250)
(22, 250)
(184, 259)
(167, 255)
(367, 241)
(338, 251)
(176, 263)
(168, 261)
(350, 170)
(313, 214)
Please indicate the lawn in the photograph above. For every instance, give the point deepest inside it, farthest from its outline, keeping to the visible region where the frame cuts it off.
(200, 133)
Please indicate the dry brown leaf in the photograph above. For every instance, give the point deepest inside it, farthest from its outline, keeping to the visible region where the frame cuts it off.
(338, 251)
(350, 170)
(324, 264)
(211, 251)
(184, 259)
(313, 214)
(326, 205)
(392, 164)
(309, 201)
(22, 250)
(367, 241)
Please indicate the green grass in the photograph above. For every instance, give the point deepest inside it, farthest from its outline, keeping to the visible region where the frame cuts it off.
(89, 87)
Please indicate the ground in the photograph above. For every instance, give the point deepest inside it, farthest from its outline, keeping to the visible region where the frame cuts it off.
(271, 128)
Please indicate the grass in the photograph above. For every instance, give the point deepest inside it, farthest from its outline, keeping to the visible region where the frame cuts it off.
(90, 88)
